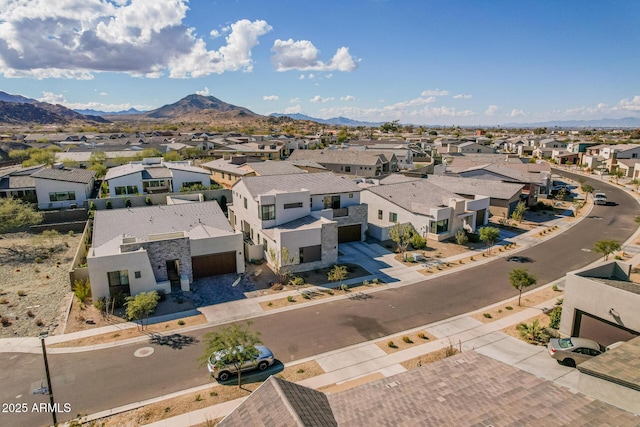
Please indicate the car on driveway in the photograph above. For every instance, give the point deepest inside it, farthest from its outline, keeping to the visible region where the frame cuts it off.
(573, 351)
(221, 367)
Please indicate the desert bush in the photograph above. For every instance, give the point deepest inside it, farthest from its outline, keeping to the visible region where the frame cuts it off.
(82, 290)
(291, 299)
(147, 201)
(461, 237)
(422, 336)
(391, 344)
(300, 371)
(407, 339)
(509, 308)
(30, 313)
(5, 321)
(297, 281)
(488, 315)
(376, 280)
(38, 260)
(554, 317)
(4, 301)
(418, 242)
(109, 205)
(181, 322)
(39, 322)
(22, 293)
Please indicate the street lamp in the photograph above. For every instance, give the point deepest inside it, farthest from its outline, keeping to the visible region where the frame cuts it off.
(46, 369)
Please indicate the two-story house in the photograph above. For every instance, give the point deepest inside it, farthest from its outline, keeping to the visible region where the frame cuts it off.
(308, 213)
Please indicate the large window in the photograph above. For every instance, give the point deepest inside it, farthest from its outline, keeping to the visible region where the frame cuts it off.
(129, 189)
(118, 281)
(393, 217)
(437, 227)
(267, 212)
(332, 202)
(61, 196)
(310, 254)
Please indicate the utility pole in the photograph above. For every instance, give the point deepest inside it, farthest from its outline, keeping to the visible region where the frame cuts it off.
(46, 368)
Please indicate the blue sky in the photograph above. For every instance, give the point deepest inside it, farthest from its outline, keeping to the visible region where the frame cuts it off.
(468, 63)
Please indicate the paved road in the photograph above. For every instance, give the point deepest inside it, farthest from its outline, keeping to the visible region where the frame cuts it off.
(95, 381)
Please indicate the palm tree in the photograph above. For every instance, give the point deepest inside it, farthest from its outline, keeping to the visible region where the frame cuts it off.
(532, 332)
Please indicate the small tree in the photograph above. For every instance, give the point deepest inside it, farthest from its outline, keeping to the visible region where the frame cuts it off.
(108, 204)
(520, 279)
(518, 213)
(401, 235)
(578, 205)
(229, 341)
(141, 306)
(337, 273)
(489, 235)
(15, 213)
(82, 290)
(636, 183)
(606, 247)
(617, 174)
(587, 189)
(561, 194)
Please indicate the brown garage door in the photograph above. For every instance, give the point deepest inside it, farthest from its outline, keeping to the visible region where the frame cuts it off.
(212, 265)
(603, 331)
(349, 233)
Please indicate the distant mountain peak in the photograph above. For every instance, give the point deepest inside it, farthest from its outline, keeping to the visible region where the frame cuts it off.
(195, 104)
(335, 121)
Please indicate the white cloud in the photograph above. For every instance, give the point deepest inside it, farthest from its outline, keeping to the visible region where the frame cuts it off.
(53, 98)
(270, 98)
(303, 55)
(516, 113)
(293, 109)
(311, 76)
(103, 93)
(77, 38)
(461, 96)
(318, 98)
(492, 110)
(630, 105)
(203, 92)
(328, 76)
(294, 100)
(215, 34)
(435, 92)
(348, 98)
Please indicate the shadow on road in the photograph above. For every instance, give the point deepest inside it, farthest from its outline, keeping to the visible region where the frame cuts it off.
(175, 341)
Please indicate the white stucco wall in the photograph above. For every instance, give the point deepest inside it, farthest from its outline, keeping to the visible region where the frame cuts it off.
(46, 186)
(123, 181)
(182, 176)
(131, 261)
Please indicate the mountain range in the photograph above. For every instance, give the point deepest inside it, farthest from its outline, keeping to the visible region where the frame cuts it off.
(19, 110)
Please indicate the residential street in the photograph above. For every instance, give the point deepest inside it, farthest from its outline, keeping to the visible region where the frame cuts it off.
(98, 380)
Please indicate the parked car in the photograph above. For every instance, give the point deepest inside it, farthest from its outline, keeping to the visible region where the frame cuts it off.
(221, 368)
(599, 198)
(572, 351)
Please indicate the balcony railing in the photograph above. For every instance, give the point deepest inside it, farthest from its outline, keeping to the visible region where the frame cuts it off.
(337, 213)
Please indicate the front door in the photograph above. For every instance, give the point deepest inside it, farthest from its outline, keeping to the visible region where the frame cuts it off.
(173, 273)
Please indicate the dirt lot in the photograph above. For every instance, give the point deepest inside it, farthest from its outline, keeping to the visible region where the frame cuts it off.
(35, 290)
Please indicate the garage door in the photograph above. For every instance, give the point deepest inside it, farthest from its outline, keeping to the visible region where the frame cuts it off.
(349, 233)
(588, 326)
(212, 265)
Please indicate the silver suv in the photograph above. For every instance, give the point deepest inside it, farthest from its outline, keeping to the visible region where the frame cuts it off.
(221, 366)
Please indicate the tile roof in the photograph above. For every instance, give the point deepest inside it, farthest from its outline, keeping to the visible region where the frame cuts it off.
(84, 176)
(316, 183)
(470, 186)
(345, 157)
(305, 163)
(226, 166)
(144, 221)
(620, 365)
(271, 167)
(282, 403)
(415, 196)
(185, 168)
(123, 170)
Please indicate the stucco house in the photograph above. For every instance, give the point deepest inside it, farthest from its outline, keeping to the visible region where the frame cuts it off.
(153, 175)
(433, 211)
(63, 187)
(161, 247)
(364, 163)
(307, 213)
(16, 181)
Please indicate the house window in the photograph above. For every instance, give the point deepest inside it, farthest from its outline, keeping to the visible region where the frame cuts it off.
(310, 254)
(267, 212)
(245, 203)
(118, 281)
(437, 227)
(347, 168)
(393, 217)
(379, 213)
(332, 202)
(61, 196)
(137, 274)
(293, 205)
(351, 195)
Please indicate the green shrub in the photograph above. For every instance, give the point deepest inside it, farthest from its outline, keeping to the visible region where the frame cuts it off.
(100, 303)
(82, 290)
(198, 398)
(22, 293)
(461, 237)
(291, 299)
(181, 322)
(487, 315)
(147, 201)
(127, 203)
(344, 287)
(391, 344)
(554, 317)
(555, 287)
(297, 281)
(71, 233)
(300, 371)
(109, 205)
(365, 283)
(306, 296)
(38, 260)
(509, 308)
(213, 394)
(418, 242)
(92, 206)
(473, 237)
(270, 304)
(422, 336)
(376, 280)
(407, 339)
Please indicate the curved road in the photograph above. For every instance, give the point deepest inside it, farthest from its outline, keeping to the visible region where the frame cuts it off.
(94, 381)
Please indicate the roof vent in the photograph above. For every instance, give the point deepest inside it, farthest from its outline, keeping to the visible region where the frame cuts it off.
(392, 384)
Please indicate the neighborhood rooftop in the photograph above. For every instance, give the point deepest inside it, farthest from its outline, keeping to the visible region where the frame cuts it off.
(415, 196)
(84, 176)
(316, 183)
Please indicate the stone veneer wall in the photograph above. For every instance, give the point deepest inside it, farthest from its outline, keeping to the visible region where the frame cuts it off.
(329, 250)
(161, 251)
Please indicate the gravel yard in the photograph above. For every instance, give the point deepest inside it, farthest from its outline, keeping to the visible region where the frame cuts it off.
(34, 283)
